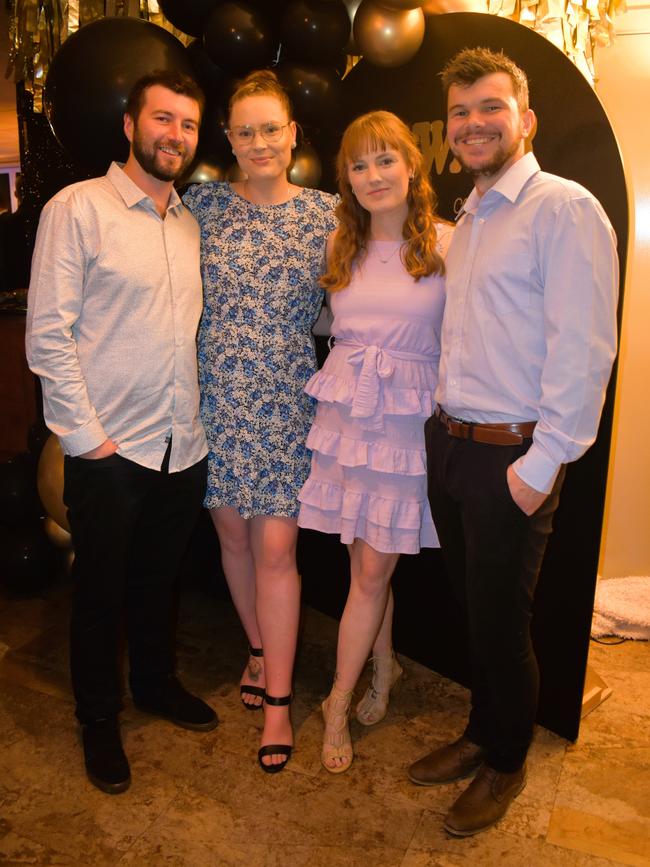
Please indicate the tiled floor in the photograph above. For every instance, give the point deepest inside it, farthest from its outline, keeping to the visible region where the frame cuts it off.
(200, 799)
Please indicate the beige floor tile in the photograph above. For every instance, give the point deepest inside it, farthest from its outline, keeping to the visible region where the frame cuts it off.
(602, 805)
(52, 803)
(201, 799)
(197, 830)
(623, 719)
(431, 846)
(23, 619)
(628, 656)
(18, 850)
(33, 676)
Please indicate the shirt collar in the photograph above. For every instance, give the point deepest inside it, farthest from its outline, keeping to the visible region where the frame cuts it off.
(509, 185)
(130, 191)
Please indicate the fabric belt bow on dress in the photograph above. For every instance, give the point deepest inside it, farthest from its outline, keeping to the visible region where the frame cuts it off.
(367, 403)
(376, 364)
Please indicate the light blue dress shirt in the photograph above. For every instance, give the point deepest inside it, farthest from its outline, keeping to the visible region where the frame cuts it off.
(529, 330)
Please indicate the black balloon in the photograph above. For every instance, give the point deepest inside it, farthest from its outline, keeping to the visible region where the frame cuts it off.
(27, 559)
(314, 92)
(212, 138)
(316, 31)
(90, 79)
(212, 78)
(216, 86)
(188, 15)
(239, 37)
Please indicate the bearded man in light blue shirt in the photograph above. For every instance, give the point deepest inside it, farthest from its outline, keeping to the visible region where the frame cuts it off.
(528, 342)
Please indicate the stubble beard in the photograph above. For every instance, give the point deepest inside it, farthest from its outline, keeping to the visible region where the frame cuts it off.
(148, 161)
(493, 166)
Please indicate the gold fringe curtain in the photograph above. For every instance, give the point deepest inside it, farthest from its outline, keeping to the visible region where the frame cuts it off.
(576, 27)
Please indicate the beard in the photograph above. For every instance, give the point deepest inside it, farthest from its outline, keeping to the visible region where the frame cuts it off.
(491, 166)
(152, 162)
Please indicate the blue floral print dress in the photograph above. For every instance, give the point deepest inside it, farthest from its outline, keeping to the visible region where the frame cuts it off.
(260, 267)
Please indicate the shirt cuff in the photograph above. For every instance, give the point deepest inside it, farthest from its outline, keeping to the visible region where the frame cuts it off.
(83, 440)
(537, 469)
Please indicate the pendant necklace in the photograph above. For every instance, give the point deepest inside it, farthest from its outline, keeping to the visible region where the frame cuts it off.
(390, 255)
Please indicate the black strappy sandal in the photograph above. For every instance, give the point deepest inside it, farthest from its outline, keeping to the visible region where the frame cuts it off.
(275, 749)
(253, 690)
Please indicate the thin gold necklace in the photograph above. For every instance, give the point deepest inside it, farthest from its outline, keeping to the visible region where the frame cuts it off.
(390, 255)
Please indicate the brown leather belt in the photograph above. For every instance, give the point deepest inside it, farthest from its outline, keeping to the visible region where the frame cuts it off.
(501, 434)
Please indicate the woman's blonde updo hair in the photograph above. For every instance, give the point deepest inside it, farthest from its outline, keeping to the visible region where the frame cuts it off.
(378, 131)
(262, 82)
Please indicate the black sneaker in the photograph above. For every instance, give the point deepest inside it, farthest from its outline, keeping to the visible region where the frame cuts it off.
(172, 701)
(106, 765)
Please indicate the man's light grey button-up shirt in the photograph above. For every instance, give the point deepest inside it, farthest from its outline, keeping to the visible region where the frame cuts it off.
(114, 305)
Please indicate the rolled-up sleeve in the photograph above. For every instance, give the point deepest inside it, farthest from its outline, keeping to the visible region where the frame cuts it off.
(54, 304)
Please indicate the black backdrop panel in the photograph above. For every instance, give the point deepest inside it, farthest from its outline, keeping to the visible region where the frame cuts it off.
(573, 139)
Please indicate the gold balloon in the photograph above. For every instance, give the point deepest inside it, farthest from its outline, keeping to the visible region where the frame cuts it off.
(306, 168)
(205, 171)
(57, 535)
(352, 6)
(440, 7)
(388, 37)
(235, 173)
(50, 482)
(400, 4)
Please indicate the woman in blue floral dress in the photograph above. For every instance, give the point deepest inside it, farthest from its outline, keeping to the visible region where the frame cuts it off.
(262, 245)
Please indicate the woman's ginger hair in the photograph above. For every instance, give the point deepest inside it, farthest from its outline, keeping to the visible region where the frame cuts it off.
(379, 131)
(262, 82)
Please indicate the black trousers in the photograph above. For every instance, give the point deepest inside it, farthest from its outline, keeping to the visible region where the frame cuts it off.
(130, 526)
(493, 553)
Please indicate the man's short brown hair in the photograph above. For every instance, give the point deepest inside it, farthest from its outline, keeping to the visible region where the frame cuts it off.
(470, 64)
(173, 80)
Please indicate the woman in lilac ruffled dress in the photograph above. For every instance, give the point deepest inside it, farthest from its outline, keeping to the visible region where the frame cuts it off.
(368, 475)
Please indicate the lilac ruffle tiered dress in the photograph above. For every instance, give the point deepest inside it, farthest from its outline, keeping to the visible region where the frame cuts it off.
(375, 392)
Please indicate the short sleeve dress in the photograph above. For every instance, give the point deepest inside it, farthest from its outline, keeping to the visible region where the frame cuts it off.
(260, 266)
(375, 392)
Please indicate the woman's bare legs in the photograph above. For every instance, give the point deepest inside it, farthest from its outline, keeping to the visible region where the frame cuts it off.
(364, 614)
(383, 644)
(273, 544)
(239, 568)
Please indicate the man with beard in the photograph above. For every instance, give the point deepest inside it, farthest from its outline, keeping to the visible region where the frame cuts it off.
(114, 305)
(528, 341)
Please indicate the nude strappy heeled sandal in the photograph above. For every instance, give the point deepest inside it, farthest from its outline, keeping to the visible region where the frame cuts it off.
(337, 743)
(386, 671)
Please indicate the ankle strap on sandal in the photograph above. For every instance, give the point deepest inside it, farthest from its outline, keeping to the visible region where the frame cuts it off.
(255, 651)
(283, 701)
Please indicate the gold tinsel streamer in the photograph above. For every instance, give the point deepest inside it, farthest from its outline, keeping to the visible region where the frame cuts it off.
(576, 27)
(38, 27)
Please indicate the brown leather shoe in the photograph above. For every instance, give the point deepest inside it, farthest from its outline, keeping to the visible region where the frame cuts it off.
(446, 764)
(484, 801)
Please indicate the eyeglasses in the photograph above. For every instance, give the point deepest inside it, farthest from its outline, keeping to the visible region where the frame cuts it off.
(244, 135)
